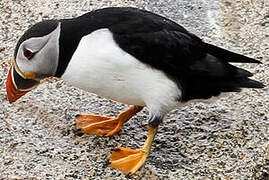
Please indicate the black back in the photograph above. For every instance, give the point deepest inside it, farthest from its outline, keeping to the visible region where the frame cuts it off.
(118, 20)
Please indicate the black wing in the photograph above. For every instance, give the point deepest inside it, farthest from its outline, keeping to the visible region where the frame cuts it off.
(202, 70)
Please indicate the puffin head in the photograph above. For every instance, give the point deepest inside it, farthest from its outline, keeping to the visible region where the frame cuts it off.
(36, 57)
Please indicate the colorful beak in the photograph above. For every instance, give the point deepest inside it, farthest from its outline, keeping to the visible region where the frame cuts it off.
(16, 86)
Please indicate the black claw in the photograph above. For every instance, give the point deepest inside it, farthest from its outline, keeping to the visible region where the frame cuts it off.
(116, 149)
(107, 163)
(78, 132)
(77, 115)
(128, 176)
(104, 135)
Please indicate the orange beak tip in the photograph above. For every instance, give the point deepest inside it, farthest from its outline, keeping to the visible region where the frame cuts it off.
(13, 93)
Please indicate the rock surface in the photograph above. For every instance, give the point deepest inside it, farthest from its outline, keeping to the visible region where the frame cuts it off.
(227, 139)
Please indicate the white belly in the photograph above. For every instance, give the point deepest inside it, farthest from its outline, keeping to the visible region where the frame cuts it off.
(101, 67)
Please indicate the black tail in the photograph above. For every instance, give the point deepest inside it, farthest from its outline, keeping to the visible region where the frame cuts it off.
(241, 79)
(216, 75)
(240, 75)
(250, 83)
(228, 55)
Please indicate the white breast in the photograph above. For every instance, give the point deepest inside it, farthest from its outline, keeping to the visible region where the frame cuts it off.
(100, 66)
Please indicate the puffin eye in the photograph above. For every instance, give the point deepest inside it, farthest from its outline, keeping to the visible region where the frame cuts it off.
(28, 54)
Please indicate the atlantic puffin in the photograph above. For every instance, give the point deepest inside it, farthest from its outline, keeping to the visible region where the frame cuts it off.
(129, 55)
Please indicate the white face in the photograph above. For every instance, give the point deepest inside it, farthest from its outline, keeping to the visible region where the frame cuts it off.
(39, 54)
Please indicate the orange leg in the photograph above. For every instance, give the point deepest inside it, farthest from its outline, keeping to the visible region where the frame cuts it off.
(129, 160)
(104, 126)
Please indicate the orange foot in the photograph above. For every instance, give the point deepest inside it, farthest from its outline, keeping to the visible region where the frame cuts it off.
(129, 160)
(104, 126)
(96, 125)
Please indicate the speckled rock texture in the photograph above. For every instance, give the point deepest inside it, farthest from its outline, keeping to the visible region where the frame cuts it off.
(227, 139)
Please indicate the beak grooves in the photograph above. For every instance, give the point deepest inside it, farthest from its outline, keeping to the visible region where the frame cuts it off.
(13, 93)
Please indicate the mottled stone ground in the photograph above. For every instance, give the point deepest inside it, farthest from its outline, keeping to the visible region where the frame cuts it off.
(227, 139)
